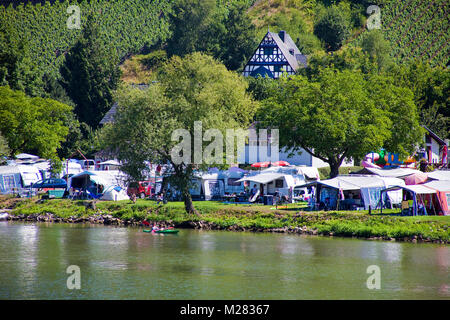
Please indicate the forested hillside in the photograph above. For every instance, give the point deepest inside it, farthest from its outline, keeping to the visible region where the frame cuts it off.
(418, 29)
(128, 25)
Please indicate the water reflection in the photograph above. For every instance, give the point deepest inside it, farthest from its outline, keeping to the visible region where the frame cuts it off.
(126, 263)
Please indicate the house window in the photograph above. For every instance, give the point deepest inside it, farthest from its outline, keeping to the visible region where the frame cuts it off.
(268, 51)
(279, 183)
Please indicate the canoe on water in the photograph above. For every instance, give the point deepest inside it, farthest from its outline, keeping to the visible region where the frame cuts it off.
(163, 231)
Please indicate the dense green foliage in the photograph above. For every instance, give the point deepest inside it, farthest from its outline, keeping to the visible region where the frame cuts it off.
(16, 68)
(34, 125)
(417, 29)
(189, 89)
(333, 28)
(431, 88)
(224, 31)
(127, 24)
(343, 114)
(90, 74)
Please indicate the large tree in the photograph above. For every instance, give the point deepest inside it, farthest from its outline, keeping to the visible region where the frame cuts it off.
(333, 27)
(196, 25)
(343, 114)
(17, 70)
(32, 124)
(195, 88)
(90, 74)
(225, 32)
(431, 88)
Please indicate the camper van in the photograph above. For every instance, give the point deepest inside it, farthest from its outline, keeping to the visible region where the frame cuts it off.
(215, 184)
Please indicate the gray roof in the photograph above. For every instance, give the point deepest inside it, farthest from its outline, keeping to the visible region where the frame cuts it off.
(109, 116)
(289, 49)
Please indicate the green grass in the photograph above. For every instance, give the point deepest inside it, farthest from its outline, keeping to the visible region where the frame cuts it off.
(253, 217)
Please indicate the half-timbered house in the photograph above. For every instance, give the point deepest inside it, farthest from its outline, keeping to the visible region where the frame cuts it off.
(275, 55)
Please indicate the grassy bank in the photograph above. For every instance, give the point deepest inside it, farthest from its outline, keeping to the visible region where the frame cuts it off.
(216, 215)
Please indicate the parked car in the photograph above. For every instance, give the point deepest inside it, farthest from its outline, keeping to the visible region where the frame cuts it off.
(141, 189)
(51, 183)
(88, 164)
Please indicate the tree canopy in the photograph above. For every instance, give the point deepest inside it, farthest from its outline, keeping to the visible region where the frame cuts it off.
(16, 67)
(343, 114)
(90, 73)
(32, 124)
(190, 89)
(225, 32)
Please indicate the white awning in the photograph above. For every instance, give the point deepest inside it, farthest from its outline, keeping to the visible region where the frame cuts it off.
(262, 178)
(111, 163)
(440, 175)
(442, 186)
(394, 173)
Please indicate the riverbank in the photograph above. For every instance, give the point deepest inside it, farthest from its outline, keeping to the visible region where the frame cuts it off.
(234, 217)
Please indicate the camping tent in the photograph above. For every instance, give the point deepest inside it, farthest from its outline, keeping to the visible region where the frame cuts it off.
(443, 193)
(10, 179)
(88, 179)
(355, 190)
(29, 174)
(114, 193)
(421, 196)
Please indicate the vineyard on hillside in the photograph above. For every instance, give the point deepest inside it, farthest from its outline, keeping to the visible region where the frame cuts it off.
(418, 29)
(128, 25)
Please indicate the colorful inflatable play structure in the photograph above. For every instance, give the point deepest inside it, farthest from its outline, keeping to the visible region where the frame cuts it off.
(384, 159)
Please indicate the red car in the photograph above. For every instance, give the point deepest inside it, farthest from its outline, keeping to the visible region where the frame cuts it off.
(141, 189)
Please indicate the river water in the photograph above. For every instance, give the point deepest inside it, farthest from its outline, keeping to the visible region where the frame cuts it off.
(126, 263)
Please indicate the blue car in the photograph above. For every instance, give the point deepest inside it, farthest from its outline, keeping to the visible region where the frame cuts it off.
(50, 184)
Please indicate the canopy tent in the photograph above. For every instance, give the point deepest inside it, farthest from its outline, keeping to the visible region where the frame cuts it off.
(442, 189)
(422, 197)
(366, 189)
(394, 173)
(262, 178)
(440, 175)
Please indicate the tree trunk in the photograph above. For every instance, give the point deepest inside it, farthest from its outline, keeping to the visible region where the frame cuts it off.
(188, 205)
(334, 169)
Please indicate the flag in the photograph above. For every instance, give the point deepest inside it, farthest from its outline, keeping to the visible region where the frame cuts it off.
(341, 192)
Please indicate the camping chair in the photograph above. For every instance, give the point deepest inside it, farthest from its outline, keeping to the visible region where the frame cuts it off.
(93, 196)
(406, 210)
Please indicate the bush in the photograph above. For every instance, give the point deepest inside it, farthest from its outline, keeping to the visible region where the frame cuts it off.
(333, 28)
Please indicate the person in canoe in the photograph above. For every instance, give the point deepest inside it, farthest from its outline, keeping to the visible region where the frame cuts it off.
(155, 228)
